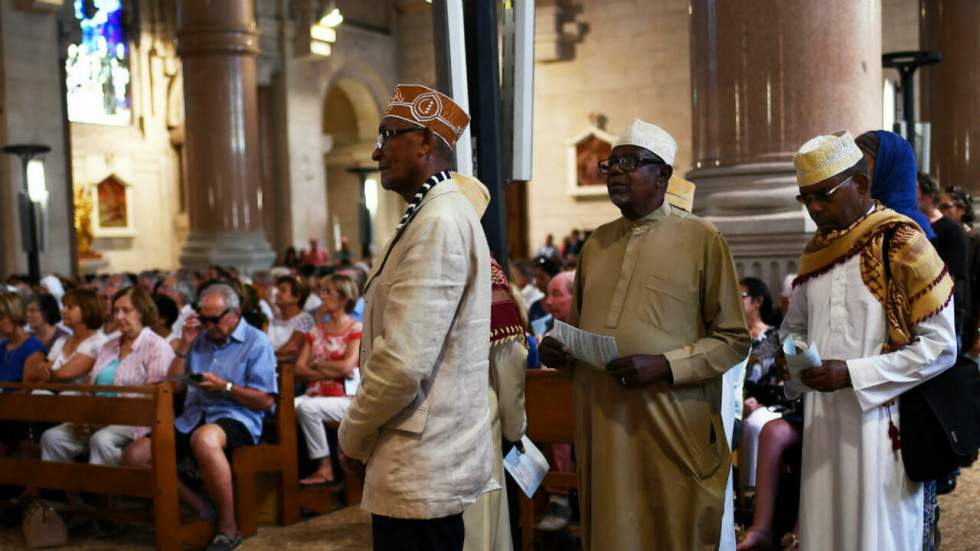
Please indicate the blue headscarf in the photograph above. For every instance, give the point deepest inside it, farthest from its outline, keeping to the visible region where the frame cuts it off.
(894, 179)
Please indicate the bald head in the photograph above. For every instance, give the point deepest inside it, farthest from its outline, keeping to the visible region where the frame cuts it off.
(558, 301)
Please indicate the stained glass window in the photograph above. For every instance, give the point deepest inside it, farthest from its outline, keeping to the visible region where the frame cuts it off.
(97, 68)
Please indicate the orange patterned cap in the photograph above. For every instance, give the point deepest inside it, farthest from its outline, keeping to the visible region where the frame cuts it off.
(426, 107)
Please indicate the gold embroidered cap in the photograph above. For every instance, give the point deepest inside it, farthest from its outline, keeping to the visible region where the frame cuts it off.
(825, 156)
(432, 109)
(680, 193)
(650, 137)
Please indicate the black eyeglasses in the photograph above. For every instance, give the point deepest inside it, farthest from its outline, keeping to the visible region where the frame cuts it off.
(384, 134)
(627, 163)
(212, 319)
(807, 198)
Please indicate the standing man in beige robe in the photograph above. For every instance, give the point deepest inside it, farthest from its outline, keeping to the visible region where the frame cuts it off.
(650, 446)
(420, 421)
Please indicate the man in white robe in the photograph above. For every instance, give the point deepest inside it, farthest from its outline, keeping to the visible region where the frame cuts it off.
(855, 491)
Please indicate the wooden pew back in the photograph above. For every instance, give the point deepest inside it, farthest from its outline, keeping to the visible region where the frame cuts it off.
(150, 406)
(549, 404)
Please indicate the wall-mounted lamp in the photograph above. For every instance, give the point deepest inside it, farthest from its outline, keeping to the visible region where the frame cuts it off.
(32, 201)
(323, 33)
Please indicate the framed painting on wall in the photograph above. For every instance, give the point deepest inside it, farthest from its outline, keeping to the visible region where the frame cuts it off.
(112, 206)
(583, 153)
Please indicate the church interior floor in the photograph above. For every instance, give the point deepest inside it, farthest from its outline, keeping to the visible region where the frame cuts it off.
(349, 529)
(959, 517)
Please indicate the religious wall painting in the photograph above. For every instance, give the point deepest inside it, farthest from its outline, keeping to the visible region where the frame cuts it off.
(112, 202)
(97, 73)
(583, 153)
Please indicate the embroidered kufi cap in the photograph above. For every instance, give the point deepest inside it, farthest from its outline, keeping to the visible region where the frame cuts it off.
(825, 156)
(680, 193)
(432, 109)
(650, 137)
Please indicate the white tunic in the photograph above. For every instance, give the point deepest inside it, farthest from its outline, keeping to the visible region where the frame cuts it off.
(855, 493)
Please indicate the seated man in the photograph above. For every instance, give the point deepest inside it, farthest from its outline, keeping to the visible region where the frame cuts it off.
(232, 371)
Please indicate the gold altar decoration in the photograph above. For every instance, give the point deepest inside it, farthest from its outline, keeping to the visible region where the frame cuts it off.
(83, 222)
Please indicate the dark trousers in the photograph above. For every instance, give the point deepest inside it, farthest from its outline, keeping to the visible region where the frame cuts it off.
(403, 534)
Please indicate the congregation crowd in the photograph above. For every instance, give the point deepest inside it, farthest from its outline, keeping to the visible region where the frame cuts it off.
(420, 354)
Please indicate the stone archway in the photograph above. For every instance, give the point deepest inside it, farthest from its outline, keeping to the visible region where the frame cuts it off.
(350, 123)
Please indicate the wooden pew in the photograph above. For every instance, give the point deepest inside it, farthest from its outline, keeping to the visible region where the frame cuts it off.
(548, 401)
(151, 406)
(278, 457)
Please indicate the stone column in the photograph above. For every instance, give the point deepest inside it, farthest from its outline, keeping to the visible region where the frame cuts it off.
(767, 75)
(217, 41)
(951, 89)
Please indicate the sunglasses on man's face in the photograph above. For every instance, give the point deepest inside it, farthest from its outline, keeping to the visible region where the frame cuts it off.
(821, 196)
(212, 319)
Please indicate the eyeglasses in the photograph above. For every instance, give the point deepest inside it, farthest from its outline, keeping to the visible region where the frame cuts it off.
(947, 206)
(384, 134)
(212, 319)
(807, 198)
(626, 163)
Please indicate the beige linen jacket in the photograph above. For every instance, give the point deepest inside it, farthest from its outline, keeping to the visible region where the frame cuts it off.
(420, 420)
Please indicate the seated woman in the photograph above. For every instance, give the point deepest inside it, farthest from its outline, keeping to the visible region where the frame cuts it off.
(43, 317)
(764, 399)
(168, 314)
(771, 423)
(138, 356)
(328, 359)
(16, 349)
(287, 331)
(72, 357)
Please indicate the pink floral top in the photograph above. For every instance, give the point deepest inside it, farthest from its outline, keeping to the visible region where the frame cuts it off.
(331, 346)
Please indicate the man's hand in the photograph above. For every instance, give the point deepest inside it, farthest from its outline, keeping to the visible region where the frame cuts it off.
(352, 465)
(640, 370)
(211, 382)
(190, 330)
(555, 355)
(832, 375)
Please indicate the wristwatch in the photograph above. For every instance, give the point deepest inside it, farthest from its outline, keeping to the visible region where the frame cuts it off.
(228, 386)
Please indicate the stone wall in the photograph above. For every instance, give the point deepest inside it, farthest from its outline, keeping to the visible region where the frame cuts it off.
(631, 60)
(142, 154)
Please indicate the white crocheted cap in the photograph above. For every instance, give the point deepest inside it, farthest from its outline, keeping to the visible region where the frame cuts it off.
(650, 137)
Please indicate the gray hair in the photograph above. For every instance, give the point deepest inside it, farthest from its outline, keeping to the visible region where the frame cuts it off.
(183, 287)
(231, 297)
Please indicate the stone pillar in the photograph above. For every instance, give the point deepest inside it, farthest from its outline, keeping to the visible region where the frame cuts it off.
(217, 41)
(767, 75)
(32, 111)
(951, 89)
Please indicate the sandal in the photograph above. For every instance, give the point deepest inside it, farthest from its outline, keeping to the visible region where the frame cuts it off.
(315, 480)
(790, 542)
(761, 540)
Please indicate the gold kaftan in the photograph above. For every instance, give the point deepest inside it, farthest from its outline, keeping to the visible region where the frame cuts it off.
(653, 461)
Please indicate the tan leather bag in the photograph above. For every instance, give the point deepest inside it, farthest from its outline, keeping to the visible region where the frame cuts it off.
(43, 526)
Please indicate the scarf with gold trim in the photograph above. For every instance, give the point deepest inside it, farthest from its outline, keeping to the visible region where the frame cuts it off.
(920, 286)
(505, 317)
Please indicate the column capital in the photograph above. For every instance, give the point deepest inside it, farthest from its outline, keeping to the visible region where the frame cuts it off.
(217, 26)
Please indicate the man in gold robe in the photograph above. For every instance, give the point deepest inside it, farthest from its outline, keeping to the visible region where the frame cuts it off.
(651, 452)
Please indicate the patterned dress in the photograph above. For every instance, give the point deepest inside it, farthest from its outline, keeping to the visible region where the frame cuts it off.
(331, 346)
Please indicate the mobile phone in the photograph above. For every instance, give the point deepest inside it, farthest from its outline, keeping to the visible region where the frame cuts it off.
(194, 378)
